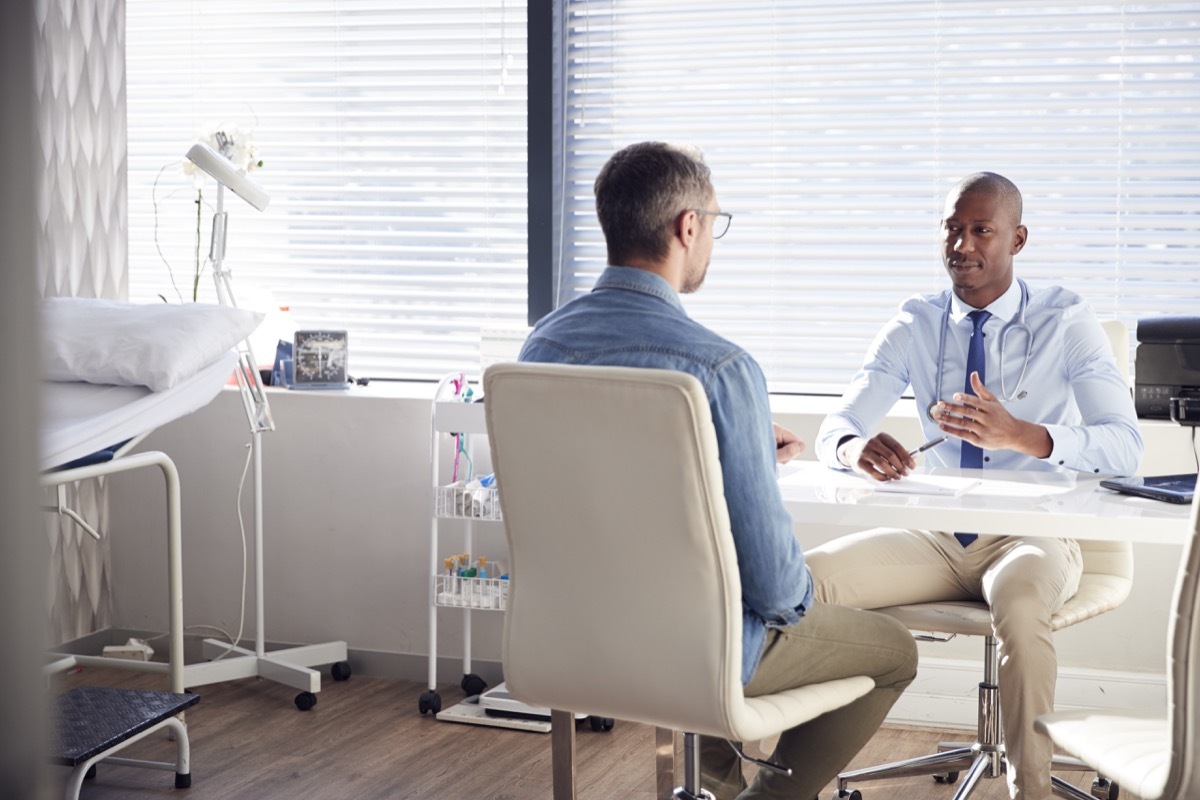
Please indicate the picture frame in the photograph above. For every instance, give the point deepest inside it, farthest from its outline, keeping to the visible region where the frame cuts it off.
(320, 359)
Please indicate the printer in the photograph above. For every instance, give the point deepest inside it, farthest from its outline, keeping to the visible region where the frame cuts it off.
(1167, 369)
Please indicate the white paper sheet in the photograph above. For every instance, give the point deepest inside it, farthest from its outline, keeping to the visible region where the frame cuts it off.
(945, 485)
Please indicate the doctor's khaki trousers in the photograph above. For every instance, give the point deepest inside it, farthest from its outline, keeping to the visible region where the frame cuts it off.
(829, 642)
(1023, 579)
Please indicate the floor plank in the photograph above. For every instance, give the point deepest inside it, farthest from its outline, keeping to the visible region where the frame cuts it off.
(365, 739)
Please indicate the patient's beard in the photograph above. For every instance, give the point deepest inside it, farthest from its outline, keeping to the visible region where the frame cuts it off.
(694, 279)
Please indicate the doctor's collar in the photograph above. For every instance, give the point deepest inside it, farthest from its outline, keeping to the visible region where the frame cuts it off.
(1006, 306)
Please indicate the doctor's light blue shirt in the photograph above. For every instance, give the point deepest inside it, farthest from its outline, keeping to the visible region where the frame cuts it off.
(633, 318)
(1074, 386)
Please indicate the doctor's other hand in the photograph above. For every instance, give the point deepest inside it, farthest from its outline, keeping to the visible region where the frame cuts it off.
(984, 421)
(881, 457)
(787, 444)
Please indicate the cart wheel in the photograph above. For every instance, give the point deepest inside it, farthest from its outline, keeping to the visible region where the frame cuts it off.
(601, 723)
(949, 777)
(1105, 789)
(305, 701)
(848, 794)
(340, 671)
(472, 684)
(430, 701)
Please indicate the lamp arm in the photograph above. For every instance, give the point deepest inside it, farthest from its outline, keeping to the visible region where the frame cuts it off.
(254, 397)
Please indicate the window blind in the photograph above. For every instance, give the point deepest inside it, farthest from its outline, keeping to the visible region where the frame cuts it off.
(834, 130)
(393, 141)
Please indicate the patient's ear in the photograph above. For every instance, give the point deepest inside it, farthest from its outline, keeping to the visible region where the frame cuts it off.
(687, 226)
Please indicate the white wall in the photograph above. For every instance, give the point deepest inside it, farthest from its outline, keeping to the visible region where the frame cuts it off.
(348, 533)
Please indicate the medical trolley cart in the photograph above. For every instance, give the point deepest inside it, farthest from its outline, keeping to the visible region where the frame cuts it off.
(455, 583)
(458, 581)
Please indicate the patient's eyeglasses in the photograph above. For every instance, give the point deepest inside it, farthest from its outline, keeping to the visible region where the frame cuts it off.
(720, 224)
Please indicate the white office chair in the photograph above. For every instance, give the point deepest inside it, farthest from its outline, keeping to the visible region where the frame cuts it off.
(1105, 583)
(625, 599)
(1156, 757)
(1118, 337)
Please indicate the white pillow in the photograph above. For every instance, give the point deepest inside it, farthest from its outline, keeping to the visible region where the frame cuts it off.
(155, 345)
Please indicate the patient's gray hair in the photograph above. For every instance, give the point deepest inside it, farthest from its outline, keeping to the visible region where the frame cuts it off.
(642, 190)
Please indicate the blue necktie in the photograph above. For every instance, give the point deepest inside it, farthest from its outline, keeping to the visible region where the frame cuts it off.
(972, 456)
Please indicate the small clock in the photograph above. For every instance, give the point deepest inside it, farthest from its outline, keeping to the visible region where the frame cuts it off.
(320, 359)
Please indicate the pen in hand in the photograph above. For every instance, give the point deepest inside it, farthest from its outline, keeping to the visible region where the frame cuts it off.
(932, 443)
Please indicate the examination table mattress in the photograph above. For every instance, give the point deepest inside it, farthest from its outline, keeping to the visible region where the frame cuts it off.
(81, 418)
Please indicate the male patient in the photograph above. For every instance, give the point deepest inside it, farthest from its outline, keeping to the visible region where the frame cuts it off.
(660, 215)
(1017, 379)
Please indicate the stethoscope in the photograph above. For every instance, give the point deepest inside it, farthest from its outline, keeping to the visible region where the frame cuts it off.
(1017, 324)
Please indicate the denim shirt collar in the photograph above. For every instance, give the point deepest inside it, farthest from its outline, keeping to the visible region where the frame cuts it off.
(638, 280)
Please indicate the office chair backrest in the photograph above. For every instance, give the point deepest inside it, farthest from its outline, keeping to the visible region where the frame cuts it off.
(1118, 337)
(1104, 585)
(1183, 676)
(625, 599)
(1107, 566)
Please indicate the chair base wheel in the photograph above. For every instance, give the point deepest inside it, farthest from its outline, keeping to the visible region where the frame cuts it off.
(472, 684)
(429, 701)
(1104, 789)
(681, 793)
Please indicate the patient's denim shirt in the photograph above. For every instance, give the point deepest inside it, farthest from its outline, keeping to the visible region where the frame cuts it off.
(633, 318)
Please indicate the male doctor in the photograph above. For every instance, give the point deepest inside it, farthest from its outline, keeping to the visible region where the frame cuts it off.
(1015, 378)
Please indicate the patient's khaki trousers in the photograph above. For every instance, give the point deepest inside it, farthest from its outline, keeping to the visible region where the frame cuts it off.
(1024, 580)
(830, 642)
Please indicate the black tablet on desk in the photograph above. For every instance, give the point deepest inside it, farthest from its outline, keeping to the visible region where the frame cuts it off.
(1168, 488)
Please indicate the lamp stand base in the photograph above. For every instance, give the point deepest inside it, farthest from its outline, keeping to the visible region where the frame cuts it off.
(290, 666)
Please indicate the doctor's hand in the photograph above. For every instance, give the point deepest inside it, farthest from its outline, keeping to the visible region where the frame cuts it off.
(983, 421)
(787, 444)
(881, 457)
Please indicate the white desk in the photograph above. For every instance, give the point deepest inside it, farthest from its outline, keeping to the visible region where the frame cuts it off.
(1068, 505)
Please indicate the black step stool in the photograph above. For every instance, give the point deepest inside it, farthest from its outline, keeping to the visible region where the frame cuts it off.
(90, 723)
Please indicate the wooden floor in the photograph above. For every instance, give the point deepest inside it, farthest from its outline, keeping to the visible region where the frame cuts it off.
(365, 739)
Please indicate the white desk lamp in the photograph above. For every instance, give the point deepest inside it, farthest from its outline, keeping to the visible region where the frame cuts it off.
(221, 169)
(284, 666)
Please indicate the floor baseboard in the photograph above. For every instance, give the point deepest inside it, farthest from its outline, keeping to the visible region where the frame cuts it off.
(944, 692)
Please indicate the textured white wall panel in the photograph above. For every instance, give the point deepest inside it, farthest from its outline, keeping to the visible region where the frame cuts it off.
(79, 75)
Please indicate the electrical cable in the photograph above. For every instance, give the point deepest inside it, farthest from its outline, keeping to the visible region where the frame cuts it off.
(242, 528)
(157, 245)
(234, 641)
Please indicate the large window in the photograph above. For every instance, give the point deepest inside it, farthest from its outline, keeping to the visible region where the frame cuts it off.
(834, 130)
(394, 134)
(393, 142)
